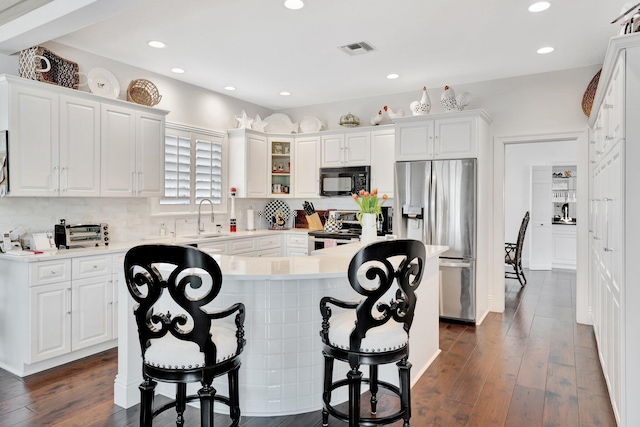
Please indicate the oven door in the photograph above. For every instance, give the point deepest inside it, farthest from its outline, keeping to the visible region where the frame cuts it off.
(316, 243)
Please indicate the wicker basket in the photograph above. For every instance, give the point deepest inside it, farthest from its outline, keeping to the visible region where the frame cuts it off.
(39, 63)
(143, 92)
(590, 94)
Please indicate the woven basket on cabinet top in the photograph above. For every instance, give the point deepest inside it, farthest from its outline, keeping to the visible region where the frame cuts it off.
(590, 94)
(143, 92)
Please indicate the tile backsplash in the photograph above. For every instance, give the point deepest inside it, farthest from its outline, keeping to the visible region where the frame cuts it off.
(131, 219)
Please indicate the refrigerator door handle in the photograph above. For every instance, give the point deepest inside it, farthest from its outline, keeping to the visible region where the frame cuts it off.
(455, 264)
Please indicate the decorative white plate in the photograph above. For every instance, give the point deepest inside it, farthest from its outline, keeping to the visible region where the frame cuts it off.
(279, 123)
(310, 124)
(102, 82)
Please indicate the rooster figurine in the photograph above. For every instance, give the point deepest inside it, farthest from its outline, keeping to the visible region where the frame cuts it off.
(422, 107)
(451, 102)
(375, 120)
(392, 114)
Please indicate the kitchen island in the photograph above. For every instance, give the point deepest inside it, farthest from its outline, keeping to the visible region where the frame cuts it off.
(282, 364)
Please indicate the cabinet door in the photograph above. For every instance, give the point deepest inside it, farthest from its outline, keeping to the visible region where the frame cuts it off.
(33, 142)
(79, 147)
(149, 155)
(92, 311)
(382, 161)
(414, 141)
(332, 150)
(49, 321)
(455, 138)
(541, 215)
(357, 149)
(306, 165)
(118, 148)
(257, 162)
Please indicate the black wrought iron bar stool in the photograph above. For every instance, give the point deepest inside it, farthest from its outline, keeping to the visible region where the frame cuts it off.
(187, 343)
(373, 332)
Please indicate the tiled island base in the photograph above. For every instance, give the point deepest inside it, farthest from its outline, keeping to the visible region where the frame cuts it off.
(282, 363)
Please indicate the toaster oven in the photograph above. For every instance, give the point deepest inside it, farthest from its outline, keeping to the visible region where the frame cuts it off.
(81, 235)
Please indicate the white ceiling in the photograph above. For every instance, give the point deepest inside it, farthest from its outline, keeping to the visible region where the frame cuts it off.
(262, 48)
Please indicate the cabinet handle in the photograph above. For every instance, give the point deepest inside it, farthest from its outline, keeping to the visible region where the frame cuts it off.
(608, 138)
(596, 238)
(139, 186)
(69, 301)
(592, 142)
(598, 152)
(56, 171)
(608, 105)
(598, 127)
(608, 249)
(607, 200)
(66, 178)
(53, 272)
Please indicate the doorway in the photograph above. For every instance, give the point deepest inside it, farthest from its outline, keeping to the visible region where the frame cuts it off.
(501, 145)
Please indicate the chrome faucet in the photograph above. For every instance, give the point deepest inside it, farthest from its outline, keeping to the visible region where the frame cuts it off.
(200, 226)
(175, 227)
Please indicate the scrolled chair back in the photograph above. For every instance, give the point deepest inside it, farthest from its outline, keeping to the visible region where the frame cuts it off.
(193, 279)
(372, 272)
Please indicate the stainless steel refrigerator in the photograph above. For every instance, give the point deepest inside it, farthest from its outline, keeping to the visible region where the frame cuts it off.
(435, 202)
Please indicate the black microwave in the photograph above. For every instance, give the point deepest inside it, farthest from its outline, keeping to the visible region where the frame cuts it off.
(344, 181)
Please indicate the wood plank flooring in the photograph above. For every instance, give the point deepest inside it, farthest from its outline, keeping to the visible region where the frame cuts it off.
(529, 366)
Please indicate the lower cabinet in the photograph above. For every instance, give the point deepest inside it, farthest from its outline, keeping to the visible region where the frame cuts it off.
(297, 244)
(55, 310)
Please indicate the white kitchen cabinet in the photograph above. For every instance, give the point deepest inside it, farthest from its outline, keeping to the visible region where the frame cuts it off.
(49, 321)
(382, 161)
(441, 136)
(297, 244)
(249, 163)
(79, 168)
(613, 229)
(132, 152)
(65, 311)
(564, 250)
(306, 165)
(56, 142)
(346, 149)
(540, 257)
(53, 143)
(280, 155)
(245, 246)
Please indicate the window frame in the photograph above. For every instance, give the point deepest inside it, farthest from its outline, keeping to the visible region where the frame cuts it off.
(193, 134)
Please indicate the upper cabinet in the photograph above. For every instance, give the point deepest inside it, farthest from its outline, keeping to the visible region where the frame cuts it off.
(382, 160)
(346, 149)
(439, 136)
(64, 142)
(248, 157)
(280, 153)
(306, 165)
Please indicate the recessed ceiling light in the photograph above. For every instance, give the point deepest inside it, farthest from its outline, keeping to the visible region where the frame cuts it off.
(285, 93)
(293, 4)
(229, 88)
(539, 6)
(393, 76)
(544, 50)
(177, 70)
(157, 44)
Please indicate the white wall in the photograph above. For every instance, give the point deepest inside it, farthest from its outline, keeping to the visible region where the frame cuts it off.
(518, 160)
(536, 104)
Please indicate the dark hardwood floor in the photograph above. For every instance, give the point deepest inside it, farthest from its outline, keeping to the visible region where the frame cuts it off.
(529, 366)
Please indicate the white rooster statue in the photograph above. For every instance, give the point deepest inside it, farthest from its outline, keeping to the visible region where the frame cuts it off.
(393, 114)
(375, 120)
(451, 102)
(422, 107)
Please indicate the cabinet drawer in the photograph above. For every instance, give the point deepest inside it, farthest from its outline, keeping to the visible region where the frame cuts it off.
(267, 242)
(268, 252)
(90, 266)
(213, 248)
(297, 240)
(241, 246)
(44, 273)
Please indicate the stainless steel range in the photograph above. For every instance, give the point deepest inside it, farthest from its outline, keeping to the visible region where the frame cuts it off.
(350, 231)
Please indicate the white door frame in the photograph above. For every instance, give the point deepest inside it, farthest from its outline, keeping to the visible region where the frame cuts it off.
(496, 293)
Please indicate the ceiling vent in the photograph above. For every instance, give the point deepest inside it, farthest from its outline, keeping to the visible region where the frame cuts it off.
(359, 48)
